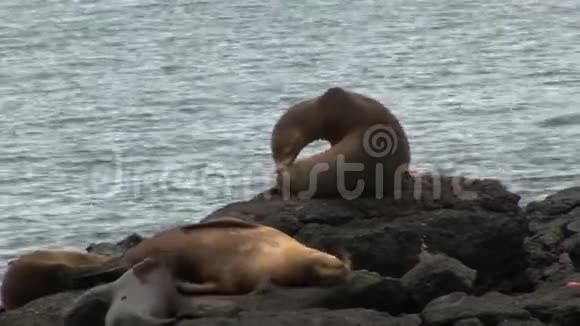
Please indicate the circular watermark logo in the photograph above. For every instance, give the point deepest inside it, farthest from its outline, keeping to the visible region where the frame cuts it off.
(380, 140)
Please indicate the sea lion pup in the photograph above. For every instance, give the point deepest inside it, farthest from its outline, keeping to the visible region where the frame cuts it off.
(42, 272)
(145, 295)
(359, 129)
(232, 256)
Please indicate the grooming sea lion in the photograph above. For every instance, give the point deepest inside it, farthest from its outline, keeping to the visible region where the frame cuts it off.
(42, 272)
(231, 256)
(359, 129)
(145, 295)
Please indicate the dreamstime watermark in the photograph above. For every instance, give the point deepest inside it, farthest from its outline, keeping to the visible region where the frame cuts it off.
(386, 177)
(380, 140)
(123, 178)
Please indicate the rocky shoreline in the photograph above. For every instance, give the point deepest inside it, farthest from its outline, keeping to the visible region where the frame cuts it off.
(450, 251)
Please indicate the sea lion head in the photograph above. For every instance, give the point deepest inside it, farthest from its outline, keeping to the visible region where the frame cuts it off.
(287, 142)
(153, 269)
(300, 125)
(326, 269)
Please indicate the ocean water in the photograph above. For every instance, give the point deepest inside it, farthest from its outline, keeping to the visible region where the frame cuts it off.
(132, 116)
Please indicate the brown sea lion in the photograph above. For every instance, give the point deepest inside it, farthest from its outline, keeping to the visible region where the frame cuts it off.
(231, 256)
(145, 295)
(42, 272)
(369, 150)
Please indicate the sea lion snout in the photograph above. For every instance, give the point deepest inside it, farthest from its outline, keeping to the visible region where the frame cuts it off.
(328, 269)
(285, 155)
(282, 167)
(288, 140)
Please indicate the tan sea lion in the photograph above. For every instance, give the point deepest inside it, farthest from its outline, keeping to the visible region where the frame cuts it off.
(42, 272)
(145, 295)
(359, 129)
(231, 256)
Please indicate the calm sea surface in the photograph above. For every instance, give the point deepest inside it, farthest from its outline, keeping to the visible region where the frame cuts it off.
(132, 116)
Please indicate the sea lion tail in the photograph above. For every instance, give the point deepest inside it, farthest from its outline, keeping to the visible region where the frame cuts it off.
(87, 276)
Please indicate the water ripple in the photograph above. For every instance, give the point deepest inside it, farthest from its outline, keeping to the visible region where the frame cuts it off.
(562, 120)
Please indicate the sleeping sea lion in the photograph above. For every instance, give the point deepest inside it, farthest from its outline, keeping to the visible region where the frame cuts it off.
(369, 151)
(230, 256)
(42, 272)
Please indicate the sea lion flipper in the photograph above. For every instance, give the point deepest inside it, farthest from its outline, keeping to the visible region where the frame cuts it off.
(189, 288)
(90, 306)
(157, 321)
(86, 276)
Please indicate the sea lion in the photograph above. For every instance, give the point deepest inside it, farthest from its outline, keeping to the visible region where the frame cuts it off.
(145, 295)
(369, 150)
(231, 256)
(42, 272)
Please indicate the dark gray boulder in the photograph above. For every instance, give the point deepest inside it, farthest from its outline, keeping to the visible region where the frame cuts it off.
(516, 322)
(309, 317)
(560, 203)
(554, 227)
(554, 303)
(491, 309)
(436, 275)
(46, 311)
(115, 249)
(372, 291)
